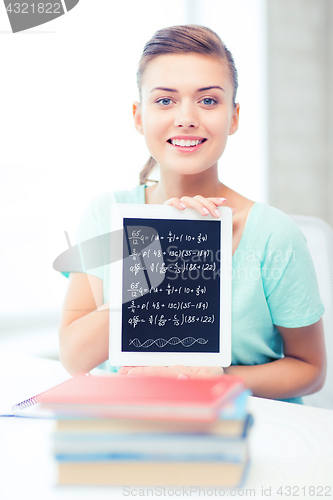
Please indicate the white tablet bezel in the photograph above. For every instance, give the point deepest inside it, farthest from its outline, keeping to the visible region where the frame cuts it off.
(148, 211)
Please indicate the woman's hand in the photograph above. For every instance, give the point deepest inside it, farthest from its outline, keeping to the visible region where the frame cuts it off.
(203, 205)
(175, 371)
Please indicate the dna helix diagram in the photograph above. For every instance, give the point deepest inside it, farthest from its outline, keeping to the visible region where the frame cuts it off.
(186, 342)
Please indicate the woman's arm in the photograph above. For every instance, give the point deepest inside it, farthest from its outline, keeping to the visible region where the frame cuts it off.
(84, 329)
(302, 371)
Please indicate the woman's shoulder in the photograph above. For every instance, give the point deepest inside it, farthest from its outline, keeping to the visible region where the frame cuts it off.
(261, 212)
(273, 218)
(96, 215)
(270, 227)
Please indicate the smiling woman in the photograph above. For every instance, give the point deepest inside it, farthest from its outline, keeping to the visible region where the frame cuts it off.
(193, 40)
(196, 100)
(187, 110)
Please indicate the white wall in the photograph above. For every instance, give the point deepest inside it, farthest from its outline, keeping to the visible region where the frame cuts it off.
(241, 24)
(300, 75)
(66, 129)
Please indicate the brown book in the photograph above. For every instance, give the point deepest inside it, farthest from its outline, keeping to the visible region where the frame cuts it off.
(138, 473)
(228, 428)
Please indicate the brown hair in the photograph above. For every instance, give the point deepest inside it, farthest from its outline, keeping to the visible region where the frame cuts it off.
(179, 40)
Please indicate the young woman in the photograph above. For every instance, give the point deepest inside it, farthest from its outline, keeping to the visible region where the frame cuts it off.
(187, 86)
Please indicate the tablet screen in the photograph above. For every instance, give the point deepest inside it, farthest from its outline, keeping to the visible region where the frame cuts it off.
(170, 294)
(182, 313)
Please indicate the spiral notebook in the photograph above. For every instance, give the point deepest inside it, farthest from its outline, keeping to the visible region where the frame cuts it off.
(133, 397)
(26, 408)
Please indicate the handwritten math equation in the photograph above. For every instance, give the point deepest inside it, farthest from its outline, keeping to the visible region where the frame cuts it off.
(137, 290)
(161, 320)
(188, 306)
(161, 268)
(137, 236)
(171, 305)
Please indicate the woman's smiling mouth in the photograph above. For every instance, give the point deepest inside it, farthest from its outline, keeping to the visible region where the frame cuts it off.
(186, 143)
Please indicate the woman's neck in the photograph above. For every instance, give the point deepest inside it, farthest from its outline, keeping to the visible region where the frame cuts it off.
(169, 186)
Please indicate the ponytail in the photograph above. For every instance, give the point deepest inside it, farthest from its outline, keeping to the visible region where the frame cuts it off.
(147, 169)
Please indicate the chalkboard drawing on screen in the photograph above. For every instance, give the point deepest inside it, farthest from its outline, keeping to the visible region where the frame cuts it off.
(171, 286)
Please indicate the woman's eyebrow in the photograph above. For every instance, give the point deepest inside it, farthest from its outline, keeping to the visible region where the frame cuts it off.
(164, 88)
(203, 89)
(209, 88)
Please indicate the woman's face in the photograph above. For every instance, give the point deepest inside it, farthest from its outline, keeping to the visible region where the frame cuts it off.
(186, 112)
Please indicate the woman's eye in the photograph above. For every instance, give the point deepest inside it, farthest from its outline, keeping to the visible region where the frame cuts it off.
(208, 101)
(165, 101)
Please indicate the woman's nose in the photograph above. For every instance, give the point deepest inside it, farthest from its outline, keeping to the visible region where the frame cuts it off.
(186, 116)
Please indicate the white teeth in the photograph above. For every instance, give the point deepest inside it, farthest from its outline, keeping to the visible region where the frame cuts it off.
(183, 143)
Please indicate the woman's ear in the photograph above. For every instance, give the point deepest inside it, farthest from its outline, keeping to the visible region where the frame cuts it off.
(137, 117)
(234, 120)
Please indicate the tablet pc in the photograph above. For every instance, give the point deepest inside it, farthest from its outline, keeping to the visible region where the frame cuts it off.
(170, 294)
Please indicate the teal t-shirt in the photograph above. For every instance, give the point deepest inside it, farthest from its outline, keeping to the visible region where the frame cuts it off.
(273, 281)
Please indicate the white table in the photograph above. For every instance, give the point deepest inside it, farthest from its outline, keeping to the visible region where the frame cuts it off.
(290, 445)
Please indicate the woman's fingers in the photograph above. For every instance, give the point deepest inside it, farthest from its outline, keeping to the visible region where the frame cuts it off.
(201, 372)
(203, 205)
(151, 371)
(124, 370)
(176, 371)
(217, 201)
(175, 202)
(210, 371)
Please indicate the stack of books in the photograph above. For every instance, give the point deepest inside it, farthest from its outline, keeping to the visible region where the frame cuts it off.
(144, 431)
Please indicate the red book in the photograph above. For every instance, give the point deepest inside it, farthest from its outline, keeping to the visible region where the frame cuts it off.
(198, 399)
